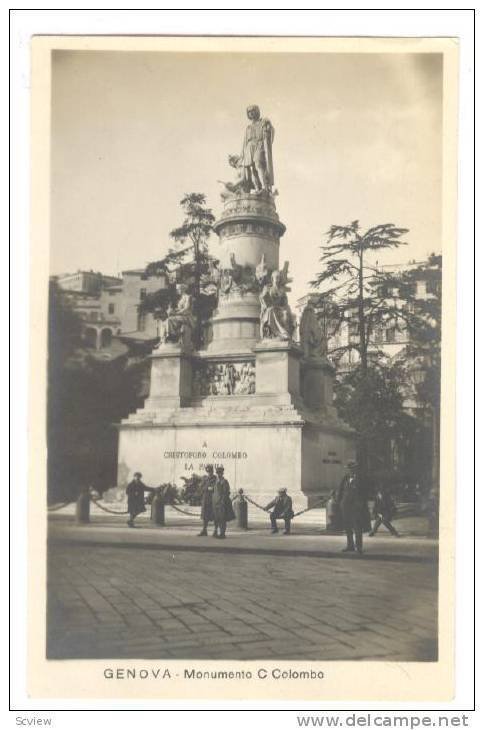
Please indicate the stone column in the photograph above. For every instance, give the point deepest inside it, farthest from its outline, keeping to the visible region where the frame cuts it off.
(277, 369)
(171, 377)
(249, 229)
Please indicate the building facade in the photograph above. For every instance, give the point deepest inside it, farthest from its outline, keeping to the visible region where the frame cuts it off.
(109, 306)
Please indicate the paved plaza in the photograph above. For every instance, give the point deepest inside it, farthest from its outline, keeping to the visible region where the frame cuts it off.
(115, 593)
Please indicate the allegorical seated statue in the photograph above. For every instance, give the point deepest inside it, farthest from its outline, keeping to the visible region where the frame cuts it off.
(257, 152)
(239, 186)
(311, 334)
(275, 317)
(179, 323)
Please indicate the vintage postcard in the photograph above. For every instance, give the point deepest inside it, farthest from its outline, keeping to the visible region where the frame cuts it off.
(243, 263)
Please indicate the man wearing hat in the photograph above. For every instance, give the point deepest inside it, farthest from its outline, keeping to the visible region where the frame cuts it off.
(281, 510)
(351, 499)
(208, 486)
(136, 497)
(223, 511)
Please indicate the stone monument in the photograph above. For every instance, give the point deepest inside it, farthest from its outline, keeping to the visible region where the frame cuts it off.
(252, 399)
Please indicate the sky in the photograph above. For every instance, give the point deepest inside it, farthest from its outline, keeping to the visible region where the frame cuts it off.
(357, 136)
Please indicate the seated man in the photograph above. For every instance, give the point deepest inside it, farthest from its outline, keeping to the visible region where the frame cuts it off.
(281, 510)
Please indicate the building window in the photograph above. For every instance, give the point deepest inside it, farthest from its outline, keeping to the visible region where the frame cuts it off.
(421, 288)
(93, 316)
(142, 293)
(141, 322)
(390, 334)
(379, 334)
(111, 308)
(106, 338)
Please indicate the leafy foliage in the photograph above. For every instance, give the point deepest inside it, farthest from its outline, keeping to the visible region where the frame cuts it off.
(357, 294)
(191, 492)
(371, 403)
(86, 397)
(354, 288)
(189, 262)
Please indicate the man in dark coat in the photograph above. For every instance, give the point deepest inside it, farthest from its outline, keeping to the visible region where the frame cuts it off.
(136, 497)
(351, 499)
(206, 513)
(223, 511)
(383, 511)
(281, 510)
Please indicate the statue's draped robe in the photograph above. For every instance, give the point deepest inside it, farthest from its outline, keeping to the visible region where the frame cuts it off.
(257, 149)
(311, 334)
(175, 322)
(275, 317)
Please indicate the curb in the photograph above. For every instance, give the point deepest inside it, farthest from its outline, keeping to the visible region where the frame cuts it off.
(227, 547)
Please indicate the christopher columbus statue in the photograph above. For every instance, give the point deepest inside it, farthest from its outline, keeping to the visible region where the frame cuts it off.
(256, 155)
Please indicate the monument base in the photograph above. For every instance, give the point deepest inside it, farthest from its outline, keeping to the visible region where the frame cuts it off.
(261, 447)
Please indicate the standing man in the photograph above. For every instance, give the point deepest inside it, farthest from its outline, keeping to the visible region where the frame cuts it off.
(351, 500)
(223, 511)
(281, 510)
(383, 511)
(208, 486)
(257, 152)
(136, 497)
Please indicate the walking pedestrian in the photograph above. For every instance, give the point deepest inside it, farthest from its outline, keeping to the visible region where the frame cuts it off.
(136, 497)
(281, 510)
(223, 511)
(206, 513)
(383, 512)
(351, 499)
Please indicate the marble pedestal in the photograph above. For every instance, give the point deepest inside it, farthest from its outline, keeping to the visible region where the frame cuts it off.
(255, 406)
(265, 440)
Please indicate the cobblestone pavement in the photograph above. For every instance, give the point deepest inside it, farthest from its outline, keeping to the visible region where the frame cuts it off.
(110, 602)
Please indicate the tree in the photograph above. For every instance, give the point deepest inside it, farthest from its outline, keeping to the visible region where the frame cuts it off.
(355, 289)
(372, 403)
(189, 261)
(421, 358)
(86, 396)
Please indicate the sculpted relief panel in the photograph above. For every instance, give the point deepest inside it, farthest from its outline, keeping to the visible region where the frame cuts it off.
(225, 378)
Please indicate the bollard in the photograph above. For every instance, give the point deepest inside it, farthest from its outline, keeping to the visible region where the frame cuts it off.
(333, 516)
(83, 506)
(240, 507)
(158, 509)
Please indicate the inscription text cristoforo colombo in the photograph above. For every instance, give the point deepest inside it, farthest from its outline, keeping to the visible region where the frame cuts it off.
(204, 457)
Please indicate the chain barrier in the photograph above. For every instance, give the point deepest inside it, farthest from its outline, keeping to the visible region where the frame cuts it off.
(183, 511)
(254, 503)
(110, 511)
(56, 507)
(320, 503)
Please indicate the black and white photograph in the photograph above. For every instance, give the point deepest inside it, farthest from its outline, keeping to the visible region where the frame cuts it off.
(245, 275)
